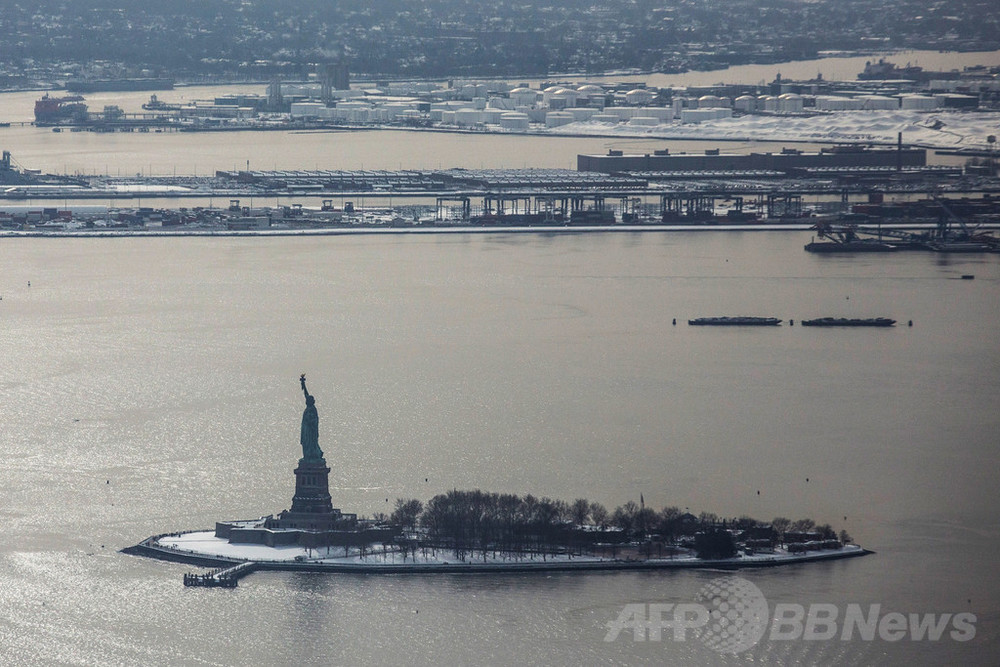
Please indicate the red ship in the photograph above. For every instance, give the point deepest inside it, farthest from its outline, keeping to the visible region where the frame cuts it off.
(53, 110)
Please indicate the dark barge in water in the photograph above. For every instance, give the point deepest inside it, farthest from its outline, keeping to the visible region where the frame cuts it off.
(735, 321)
(850, 246)
(849, 322)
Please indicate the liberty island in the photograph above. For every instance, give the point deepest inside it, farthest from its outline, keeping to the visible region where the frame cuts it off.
(504, 533)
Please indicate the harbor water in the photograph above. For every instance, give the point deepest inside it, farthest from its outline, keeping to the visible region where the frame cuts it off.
(151, 385)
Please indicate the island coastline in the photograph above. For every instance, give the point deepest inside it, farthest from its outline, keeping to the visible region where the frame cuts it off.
(295, 559)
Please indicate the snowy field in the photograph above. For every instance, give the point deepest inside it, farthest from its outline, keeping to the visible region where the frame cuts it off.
(931, 129)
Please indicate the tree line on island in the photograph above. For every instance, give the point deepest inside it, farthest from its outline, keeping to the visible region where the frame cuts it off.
(469, 523)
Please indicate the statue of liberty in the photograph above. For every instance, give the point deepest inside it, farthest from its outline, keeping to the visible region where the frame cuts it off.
(311, 453)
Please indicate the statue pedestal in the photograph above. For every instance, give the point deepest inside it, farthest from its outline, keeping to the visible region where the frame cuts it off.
(312, 489)
(311, 508)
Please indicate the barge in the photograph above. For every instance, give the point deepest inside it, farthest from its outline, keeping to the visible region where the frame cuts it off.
(735, 321)
(849, 322)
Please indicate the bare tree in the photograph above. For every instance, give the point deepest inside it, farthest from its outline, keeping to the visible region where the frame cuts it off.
(803, 525)
(407, 512)
(580, 511)
(599, 515)
(625, 516)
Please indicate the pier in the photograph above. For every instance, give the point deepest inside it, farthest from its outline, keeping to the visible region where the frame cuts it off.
(227, 577)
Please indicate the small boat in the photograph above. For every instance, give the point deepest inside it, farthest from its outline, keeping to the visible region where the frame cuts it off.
(735, 321)
(849, 322)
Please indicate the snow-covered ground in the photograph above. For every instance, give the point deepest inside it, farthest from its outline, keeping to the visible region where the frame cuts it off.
(942, 129)
(205, 543)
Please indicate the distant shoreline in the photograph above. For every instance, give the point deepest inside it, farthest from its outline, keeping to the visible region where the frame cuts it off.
(352, 231)
(431, 230)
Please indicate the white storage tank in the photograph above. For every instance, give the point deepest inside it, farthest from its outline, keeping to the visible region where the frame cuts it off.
(605, 118)
(549, 93)
(500, 103)
(918, 103)
(697, 115)
(396, 109)
(558, 118)
(492, 116)
(644, 121)
(514, 120)
(472, 90)
(837, 103)
(767, 103)
(878, 103)
(939, 85)
(467, 117)
(663, 114)
(582, 113)
(622, 113)
(566, 97)
(306, 109)
(745, 103)
(790, 103)
(639, 96)
(536, 115)
(701, 115)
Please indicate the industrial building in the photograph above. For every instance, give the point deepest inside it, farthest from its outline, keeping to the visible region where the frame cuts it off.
(785, 161)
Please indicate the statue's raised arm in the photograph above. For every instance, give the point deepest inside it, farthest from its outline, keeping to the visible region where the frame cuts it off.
(309, 438)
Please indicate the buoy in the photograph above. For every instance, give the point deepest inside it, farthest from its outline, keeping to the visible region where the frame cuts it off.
(791, 323)
(675, 322)
(910, 323)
